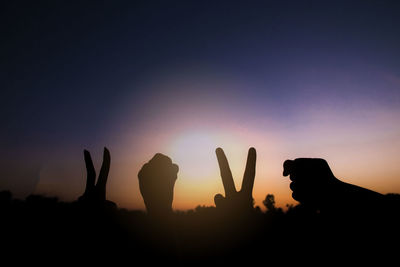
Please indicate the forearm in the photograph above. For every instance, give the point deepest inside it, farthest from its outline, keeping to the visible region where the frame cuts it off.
(352, 198)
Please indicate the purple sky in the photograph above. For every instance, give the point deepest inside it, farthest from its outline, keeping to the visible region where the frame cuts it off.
(292, 79)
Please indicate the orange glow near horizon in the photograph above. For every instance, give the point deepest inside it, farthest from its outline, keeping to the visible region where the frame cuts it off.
(361, 145)
(371, 163)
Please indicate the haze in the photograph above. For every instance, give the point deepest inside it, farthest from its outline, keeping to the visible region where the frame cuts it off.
(291, 79)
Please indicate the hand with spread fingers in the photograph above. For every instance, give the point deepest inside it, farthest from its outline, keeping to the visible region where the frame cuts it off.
(95, 193)
(156, 182)
(236, 201)
(314, 184)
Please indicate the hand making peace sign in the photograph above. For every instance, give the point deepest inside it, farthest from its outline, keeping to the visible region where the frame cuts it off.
(236, 201)
(95, 193)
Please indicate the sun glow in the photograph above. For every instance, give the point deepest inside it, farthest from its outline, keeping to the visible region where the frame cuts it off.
(199, 176)
(193, 152)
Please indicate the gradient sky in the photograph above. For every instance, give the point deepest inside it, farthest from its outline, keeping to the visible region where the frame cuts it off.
(291, 78)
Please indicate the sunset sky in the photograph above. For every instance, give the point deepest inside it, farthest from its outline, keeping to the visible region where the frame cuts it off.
(290, 78)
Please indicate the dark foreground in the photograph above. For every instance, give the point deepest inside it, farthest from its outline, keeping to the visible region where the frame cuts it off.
(44, 231)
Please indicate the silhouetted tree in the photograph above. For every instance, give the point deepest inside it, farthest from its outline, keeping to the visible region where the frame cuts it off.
(269, 202)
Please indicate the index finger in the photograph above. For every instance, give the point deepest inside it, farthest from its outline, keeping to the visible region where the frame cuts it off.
(226, 174)
(91, 172)
(105, 168)
(250, 172)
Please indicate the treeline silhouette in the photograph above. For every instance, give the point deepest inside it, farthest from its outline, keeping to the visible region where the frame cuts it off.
(333, 221)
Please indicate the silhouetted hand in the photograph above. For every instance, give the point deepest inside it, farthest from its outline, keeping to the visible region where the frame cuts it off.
(156, 182)
(314, 184)
(95, 193)
(236, 201)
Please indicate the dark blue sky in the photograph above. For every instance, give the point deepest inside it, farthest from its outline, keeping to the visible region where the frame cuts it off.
(62, 61)
(67, 66)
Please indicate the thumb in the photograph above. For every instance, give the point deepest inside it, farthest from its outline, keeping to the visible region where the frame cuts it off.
(218, 200)
(288, 167)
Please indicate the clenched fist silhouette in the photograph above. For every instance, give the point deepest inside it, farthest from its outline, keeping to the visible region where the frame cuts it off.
(156, 182)
(312, 180)
(236, 201)
(95, 193)
(314, 184)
